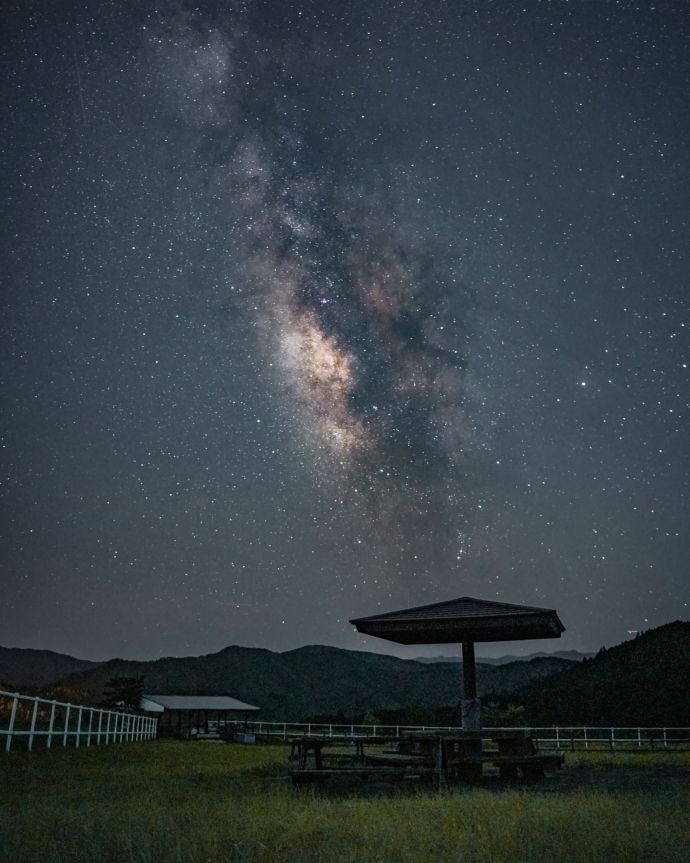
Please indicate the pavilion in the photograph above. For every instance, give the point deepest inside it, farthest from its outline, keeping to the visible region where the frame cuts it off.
(190, 715)
(463, 621)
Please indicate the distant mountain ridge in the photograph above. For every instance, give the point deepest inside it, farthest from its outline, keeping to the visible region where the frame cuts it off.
(310, 680)
(24, 666)
(642, 681)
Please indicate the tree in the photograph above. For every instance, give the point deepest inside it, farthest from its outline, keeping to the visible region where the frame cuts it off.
(124, 691)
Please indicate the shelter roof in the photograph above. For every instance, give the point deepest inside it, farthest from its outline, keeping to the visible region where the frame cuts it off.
(462, 619)
(158, 703)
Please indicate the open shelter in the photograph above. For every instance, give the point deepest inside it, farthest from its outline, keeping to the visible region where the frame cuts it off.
(463, 621)
(191, 715)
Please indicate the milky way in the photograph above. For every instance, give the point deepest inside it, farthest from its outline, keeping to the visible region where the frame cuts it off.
(355, 307)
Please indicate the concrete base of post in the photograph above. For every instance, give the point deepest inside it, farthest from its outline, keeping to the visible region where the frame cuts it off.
(471, 714)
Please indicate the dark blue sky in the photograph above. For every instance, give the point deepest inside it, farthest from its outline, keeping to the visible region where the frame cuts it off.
(315, 310)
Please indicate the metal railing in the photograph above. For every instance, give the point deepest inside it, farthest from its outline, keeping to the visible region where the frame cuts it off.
(32, 720)
(612, 738)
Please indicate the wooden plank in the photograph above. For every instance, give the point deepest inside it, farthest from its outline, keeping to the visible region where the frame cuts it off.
(362, 772)
(495, 758)
(396, 758)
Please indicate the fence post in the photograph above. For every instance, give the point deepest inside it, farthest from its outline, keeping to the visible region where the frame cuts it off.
(330, 731)
(665, 741)
(558, 739)
(78, 726)
(10, 727)
(66, 729)
(88, 734)
(613, 740)
(639, 738)
(98, 730)
(34, 713)
(51, 722)
(586, 740)
(107, 728)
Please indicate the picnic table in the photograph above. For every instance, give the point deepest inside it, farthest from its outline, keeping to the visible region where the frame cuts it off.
(445, 757)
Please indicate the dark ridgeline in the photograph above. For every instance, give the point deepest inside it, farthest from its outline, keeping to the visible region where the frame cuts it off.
(641, 682)
(299, 684)
(27, 667)
(463, 621)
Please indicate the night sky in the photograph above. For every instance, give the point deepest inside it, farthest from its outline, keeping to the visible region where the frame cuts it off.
(314, 310)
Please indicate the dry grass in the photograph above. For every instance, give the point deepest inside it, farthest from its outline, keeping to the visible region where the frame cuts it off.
(207, 803)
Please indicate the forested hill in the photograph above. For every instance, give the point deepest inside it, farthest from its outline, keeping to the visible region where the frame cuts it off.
(643, 681)
(25, 667)
(310, 680)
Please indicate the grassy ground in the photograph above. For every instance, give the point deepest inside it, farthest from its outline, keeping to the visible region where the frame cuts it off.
(206, 803)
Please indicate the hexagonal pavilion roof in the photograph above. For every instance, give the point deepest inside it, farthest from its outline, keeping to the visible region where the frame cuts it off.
(461, 620)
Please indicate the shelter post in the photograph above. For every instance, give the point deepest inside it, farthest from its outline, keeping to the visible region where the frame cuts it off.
(471, 705)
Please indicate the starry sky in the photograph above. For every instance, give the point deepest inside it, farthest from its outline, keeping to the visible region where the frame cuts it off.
(314, 310)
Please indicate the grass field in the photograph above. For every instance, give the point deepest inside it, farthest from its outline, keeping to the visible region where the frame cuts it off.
(210, 802)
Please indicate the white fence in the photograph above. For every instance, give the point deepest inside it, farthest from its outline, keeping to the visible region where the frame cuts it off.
(33, 720)
(559, 738)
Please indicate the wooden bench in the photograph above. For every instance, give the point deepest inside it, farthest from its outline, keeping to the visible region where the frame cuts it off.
(324, 774)
(531, 766)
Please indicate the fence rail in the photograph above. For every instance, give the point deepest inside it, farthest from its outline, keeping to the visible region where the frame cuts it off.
(33, 720)
(613, 738)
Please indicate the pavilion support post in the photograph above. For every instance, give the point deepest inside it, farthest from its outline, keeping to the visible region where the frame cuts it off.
(471, 705)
